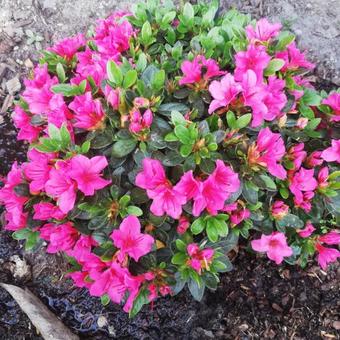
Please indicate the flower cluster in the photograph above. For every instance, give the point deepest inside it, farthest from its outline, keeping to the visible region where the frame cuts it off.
(164, 136)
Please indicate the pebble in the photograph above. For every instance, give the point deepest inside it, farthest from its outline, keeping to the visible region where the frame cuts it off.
(13, 85)
(102, 321)
(336, 325)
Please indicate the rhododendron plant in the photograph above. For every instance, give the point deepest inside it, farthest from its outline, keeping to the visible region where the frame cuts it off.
(166, 137)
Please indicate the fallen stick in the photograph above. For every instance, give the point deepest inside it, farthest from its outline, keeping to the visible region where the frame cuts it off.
(49, 326)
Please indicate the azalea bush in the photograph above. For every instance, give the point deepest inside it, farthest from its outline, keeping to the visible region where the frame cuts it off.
(164, 139)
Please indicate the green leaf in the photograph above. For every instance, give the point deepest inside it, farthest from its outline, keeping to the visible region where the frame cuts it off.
(171, 137)
(130, 79)
(114, 73)
(179, 258)
(284, 39)
(65, 137)
(181, 246)
(85, 147)
(21, 234)
(231, 120)
(290, 220)
(243, 121)
(105, 300)
(177, 118)
(60, 73)
(166, 109)
(274, 66)
(250, 193)
(123, 147)
(146, 33)
(197, 226)
(269, 183)
(188, 11)
(141, 300)
(209, 15)
(54, 132)
(66, 90)
(197, 291)
(311, 98)
(211, 230)
(168, 17)
(185, 150)
(183, 134)
(32, 240)
(133, 210)
(158, 80)
(141, 62)
(313, 124)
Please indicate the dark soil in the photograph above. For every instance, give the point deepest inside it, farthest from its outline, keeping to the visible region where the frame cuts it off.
(258, 300)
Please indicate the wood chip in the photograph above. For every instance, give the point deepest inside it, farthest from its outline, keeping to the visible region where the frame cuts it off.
(28, 63)
(277, 307)
(6, 104)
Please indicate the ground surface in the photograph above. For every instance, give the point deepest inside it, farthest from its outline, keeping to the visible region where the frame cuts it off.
(256, 301)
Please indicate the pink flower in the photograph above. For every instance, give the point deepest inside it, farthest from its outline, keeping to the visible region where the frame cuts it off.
(275, 245)
(314, 159)
(45, 211)
(279, 210)
(67, 48)
(264, 31)
(130, 240)
(79, 279)
(297, 154)
(37, 93)
(61, 237)
(301, 123)
(139, 122)
(224, 92)
(82, 248)
(199, 258)
(113, 35)
(91, 64)
(110, 281)
(141, 103)
(253, 96)
(303, 180)
(37, 170)
(183, 225)
(61, 187)
(87, 173)
(333, 101)
(211, 193)
(166, 198)
(89, 114)
(323, 177)
(198, 69)
(307, 231)
(237, 212)
(294, 59)
(304, 201)
(255, 59)
(332, 154)
(22, 121)
(14, 203)
(225, 178)
(152, 175)
(112, 96)
(15, 219)
(268, 151)
(326, 255)
(333, 237)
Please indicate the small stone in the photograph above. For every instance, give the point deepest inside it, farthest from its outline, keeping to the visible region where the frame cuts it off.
(19, 268)
(28, 63)
(13, 85)
(102, 321)
(243, 327)
(336, 325)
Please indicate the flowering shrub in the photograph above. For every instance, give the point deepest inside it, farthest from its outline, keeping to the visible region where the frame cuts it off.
(162, 139)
